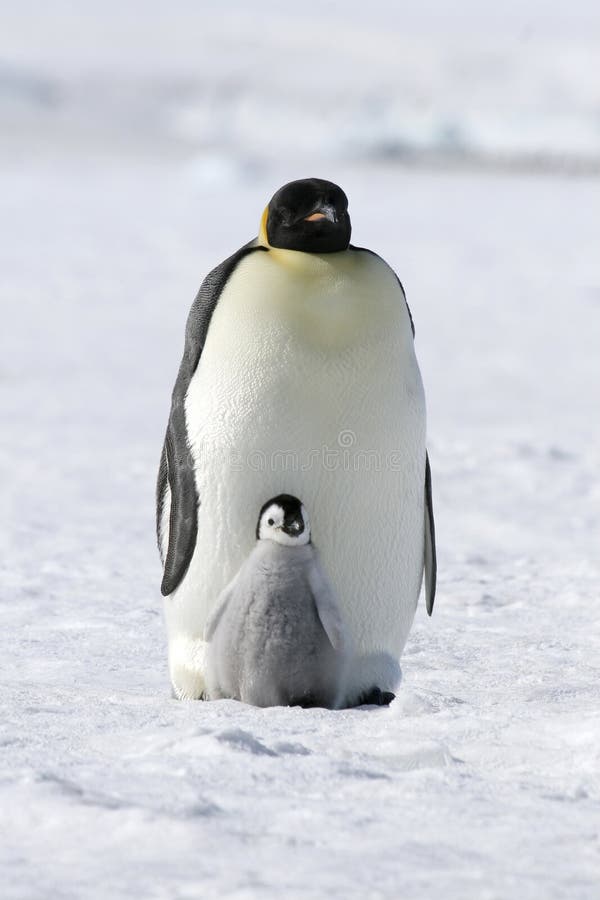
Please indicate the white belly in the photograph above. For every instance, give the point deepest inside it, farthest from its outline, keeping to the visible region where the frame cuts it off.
(308, 384)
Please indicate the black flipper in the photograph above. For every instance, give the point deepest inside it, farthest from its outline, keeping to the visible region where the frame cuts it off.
(177, 465)
(161, 487)
(430, 552)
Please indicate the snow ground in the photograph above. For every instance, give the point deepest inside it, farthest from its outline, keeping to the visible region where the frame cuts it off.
(483, 779)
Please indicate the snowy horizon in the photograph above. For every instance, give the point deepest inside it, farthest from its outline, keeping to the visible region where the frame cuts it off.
(510, 90)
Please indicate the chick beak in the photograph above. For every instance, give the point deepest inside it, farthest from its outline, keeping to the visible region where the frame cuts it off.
(293, 528)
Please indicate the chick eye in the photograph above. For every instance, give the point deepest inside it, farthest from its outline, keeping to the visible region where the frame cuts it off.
(270, 521)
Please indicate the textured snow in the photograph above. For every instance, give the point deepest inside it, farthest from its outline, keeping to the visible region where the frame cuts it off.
(482, 780)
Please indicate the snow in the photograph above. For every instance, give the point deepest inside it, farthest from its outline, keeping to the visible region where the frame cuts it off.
(482, 780)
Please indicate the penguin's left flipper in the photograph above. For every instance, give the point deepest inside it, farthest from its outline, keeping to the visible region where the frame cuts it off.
(327, 608)
(430, 552)
(177, 468)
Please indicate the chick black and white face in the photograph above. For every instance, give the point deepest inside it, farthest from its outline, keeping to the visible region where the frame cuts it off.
(310, 215)
(283, 519)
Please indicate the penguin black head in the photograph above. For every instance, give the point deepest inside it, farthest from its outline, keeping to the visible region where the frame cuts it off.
(283, 519)
(310, 215)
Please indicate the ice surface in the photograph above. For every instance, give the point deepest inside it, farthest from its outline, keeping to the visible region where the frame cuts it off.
(482, 780)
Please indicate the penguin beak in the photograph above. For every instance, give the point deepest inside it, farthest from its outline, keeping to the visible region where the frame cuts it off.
(321, 214)
(294, 527)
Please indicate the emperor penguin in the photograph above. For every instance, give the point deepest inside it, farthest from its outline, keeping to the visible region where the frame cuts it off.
(276, 635)
(299, 375)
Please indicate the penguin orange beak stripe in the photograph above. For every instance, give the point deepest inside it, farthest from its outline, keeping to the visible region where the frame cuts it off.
(315, 217)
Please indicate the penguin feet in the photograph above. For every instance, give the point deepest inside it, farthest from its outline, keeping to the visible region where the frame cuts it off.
(376, 697)
(306, 701)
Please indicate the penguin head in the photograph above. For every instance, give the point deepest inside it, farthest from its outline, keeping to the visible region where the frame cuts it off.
(283, 519)
(310, 215)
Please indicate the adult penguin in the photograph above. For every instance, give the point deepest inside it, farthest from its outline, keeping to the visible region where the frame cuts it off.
(299, 376)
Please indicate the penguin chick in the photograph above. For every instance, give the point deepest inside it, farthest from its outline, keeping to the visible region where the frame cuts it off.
(276, 636)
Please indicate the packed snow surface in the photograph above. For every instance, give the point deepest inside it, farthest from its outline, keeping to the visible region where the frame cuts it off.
(482, 779)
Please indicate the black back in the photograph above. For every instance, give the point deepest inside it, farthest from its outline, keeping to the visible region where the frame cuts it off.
(432, 575)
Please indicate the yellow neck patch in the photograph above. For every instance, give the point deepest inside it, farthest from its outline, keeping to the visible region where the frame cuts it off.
(262, 231)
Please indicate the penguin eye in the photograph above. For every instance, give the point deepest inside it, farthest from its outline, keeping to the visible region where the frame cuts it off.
(270, 522)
